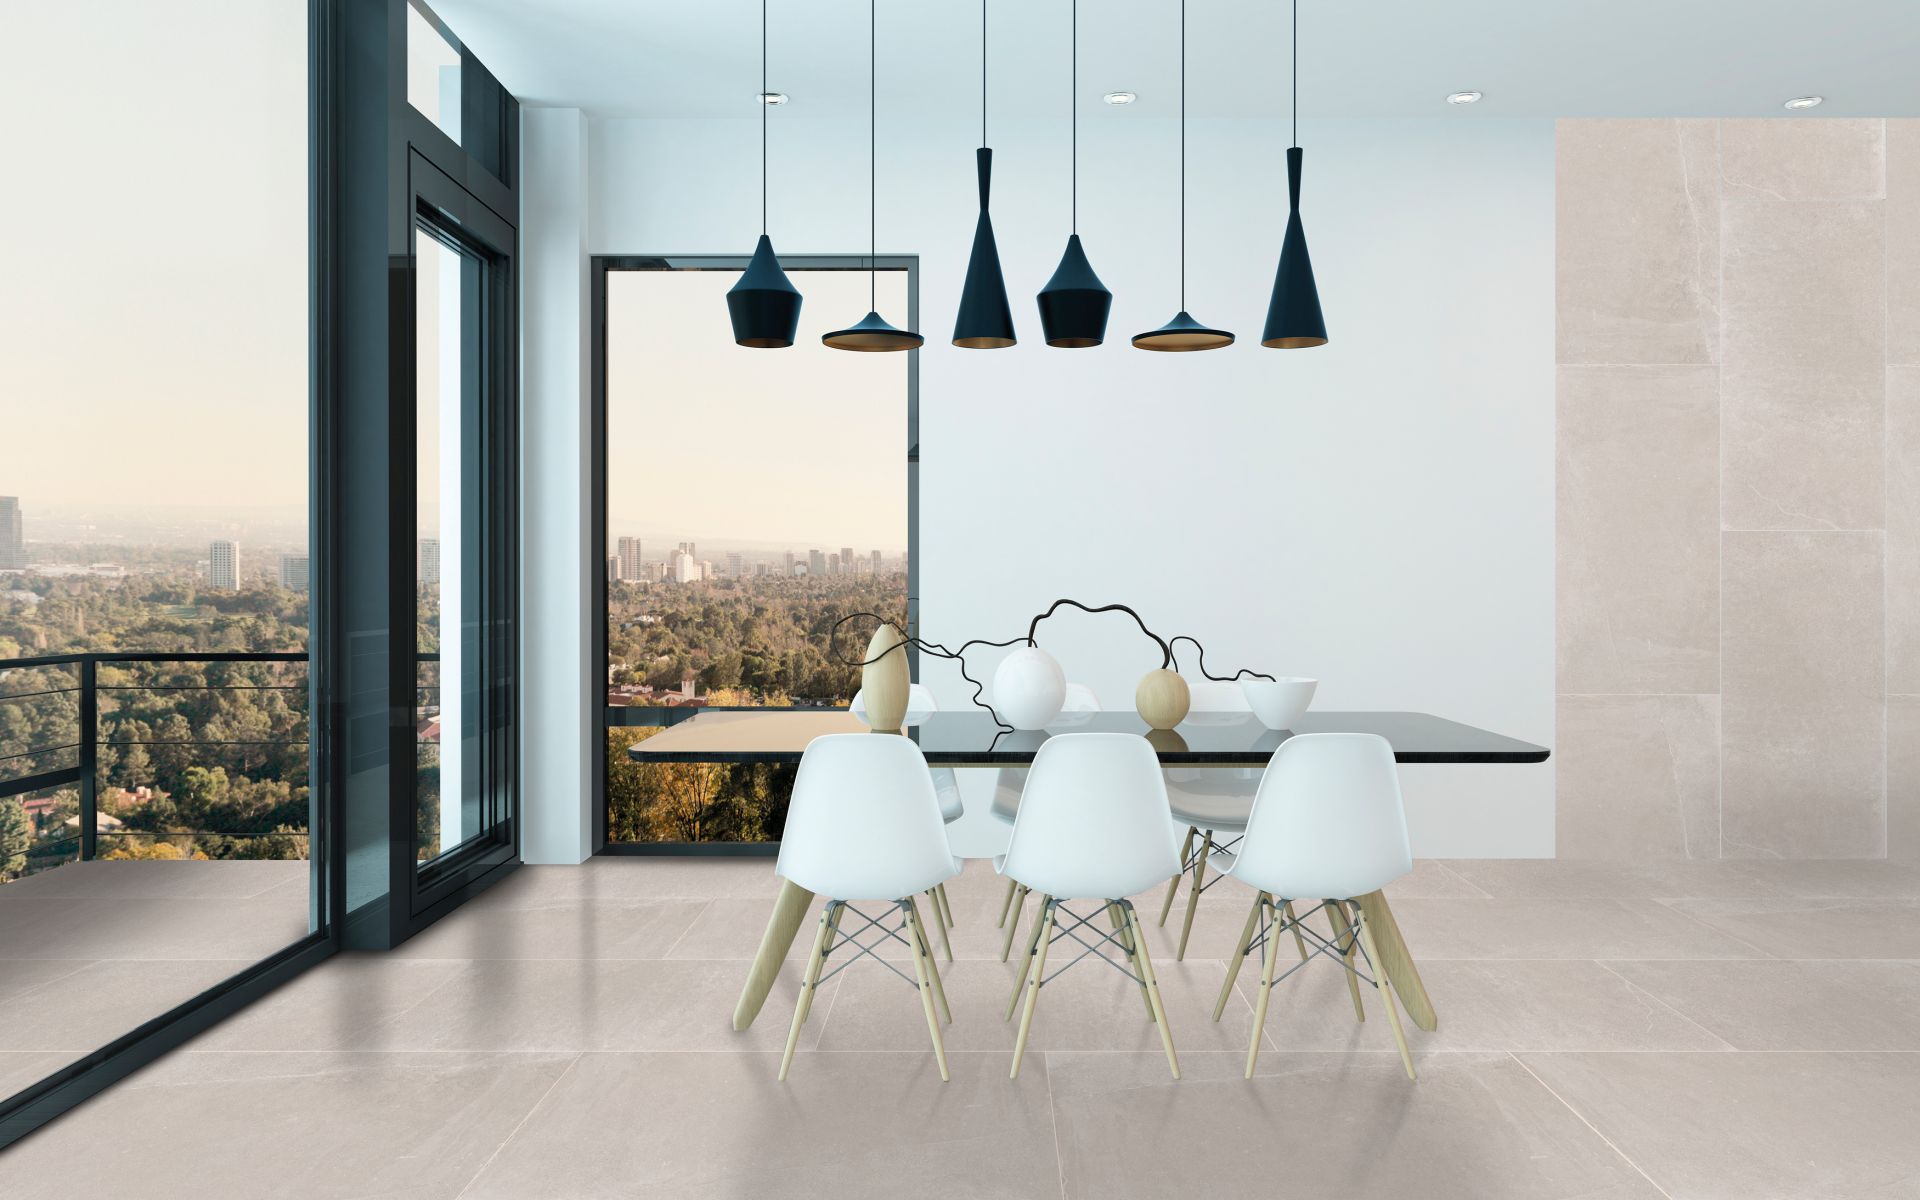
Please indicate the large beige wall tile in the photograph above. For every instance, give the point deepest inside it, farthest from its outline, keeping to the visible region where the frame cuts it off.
(1903, 530)
(1636, 240)
(1903, 777)
(1803, 714)
(1903, 241)
(1803, 375)
(1784, 158)
(1638, 483)
(1639, 777)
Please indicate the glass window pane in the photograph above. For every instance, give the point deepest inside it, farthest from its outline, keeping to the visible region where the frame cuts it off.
(433, 74)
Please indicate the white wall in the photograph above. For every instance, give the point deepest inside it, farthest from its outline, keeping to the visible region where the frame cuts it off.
(1377, 513)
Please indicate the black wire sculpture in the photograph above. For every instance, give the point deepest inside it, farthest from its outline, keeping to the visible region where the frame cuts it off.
(957, 654)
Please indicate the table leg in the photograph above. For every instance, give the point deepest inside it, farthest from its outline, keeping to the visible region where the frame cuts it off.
(789, 911)
(1394, 960)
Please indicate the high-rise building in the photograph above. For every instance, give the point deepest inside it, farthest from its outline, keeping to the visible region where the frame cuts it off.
(736, 565)
(685, 569)
(816, 562)
(294, 572)
(629, 559)
(833, 564)
(876, 562)
(846, 560)
(613, 567)
(13, 535)
(427, 561)
(789, 567)
(223, 566)
(686, 548)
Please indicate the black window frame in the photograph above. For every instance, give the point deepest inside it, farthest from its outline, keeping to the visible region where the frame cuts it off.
(607, 716)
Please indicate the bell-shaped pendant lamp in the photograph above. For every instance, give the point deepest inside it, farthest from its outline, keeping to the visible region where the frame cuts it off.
(764, 304)
(1183, 333)
(1293, 313)
(985, 321)
(1074, 304)
(872, 334)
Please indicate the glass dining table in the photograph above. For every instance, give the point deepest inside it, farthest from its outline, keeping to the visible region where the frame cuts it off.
(973, 739)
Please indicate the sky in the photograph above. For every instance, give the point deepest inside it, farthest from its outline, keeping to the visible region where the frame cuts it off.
(153, 309)
(803, 446)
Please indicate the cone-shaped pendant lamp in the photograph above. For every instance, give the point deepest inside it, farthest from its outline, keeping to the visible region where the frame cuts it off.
(764, 305)
(872, 334)
(1183, 333)
(986, 320)
(1074, 304)
(1293, 314)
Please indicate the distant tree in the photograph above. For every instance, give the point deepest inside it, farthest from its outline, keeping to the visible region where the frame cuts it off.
(16, 837)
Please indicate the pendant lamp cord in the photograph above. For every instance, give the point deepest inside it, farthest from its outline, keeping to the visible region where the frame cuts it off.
(873, 155)
(763, 118)
(1183, 154)
(983, 72)
(1296, 73)
(1076, 116)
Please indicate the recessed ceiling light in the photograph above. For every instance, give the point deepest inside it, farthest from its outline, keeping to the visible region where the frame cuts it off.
(1463, 98)
(773, 97)
(1120, 97)
(1805, 101)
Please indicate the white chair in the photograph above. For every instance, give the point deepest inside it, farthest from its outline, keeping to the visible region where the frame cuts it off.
(1327, 825)
(1209, 801)
(1007, 784)
(864, 824)
(921, 705)
(1092, 825)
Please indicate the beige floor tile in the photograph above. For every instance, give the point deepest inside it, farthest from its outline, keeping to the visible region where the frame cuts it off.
(1475, 1127)
(1768, 1006)
(1487, 1006)
(567, 1005)
(1567, 879)
(1813, 928)
(83, 1011)
(1751, 1126)
(843, 1126)
(1556, 928)
(35, 927)
(1091, 1007)
(226, 879)
(639, 877)
(18, 975)
(733, 928)
(338, 1126)
(348, 1002)
(19, 1071)
(1843, 878)
(560, 928)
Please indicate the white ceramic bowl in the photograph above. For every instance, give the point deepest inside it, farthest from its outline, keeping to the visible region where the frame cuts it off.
(1279, 702)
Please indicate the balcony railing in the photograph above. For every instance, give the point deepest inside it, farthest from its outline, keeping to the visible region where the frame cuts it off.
(133, 720)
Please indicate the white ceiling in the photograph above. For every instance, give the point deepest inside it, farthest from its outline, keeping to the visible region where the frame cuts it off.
(1365, 58)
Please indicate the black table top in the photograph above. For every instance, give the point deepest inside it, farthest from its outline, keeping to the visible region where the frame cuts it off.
(970, 738)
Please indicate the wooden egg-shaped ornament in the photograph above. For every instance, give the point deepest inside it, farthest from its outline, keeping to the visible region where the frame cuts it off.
(1162, 699)
(886, 684)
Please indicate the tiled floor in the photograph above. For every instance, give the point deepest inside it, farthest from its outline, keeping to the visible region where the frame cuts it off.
(1737, 1030)
(90, 951)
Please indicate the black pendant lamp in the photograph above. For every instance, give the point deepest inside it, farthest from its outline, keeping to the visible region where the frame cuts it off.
(1074, 304)
(1293, 314)
(986, 320)
(764, 305)
(872, 335)
(1183, 332)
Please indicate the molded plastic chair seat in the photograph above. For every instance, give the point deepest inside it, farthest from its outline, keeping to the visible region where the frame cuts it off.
(1008, 782)
(920, 705)
(1220, 799)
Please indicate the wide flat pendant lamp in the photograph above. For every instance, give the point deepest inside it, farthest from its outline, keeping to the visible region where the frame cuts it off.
(1074, 304)
(871, 334)
(985, 321)
(764, 304)
(1183, 333)
(1293, 314)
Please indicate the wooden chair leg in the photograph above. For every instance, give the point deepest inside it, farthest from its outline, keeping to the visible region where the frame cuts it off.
(922, 968)
(946, 906)
(939, 988)
(1006, 905)
(939, 919)
(1033, 942)
(1145, 962)
(1293, 923)
(1117, 915)
(1173, 885)
(1269, 958)
(1193, 897)
(1019, 902)
(1385, 983)
(1398, 964)
(808, 983)
(1343, 933)
(1239, 955)
(1037, 972)
(834, 913)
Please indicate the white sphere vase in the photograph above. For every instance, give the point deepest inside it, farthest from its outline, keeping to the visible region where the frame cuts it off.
(1029, 688)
